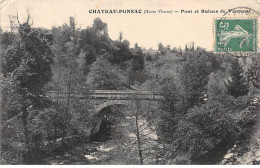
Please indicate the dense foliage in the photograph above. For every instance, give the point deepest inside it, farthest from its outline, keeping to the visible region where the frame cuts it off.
(238, 84)
(198, 120)
(26, 69)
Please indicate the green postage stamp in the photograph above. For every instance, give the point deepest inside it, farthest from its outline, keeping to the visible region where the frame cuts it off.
(235, 35)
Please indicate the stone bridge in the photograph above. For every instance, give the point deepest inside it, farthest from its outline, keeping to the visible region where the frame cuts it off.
(105, 98)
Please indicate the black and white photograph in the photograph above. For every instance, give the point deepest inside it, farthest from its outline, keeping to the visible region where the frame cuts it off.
(120, 82)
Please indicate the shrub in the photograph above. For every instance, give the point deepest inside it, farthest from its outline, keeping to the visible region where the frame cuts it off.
(205, 130)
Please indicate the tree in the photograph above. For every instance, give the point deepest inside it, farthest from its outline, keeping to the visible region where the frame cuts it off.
(120, 36)
(7, 39)
(103, 76)
(204, 135)
(192, 46)
(253, 73)
(216, 84)
(160, 46)
(237, 85)
(29, 61)
(121, 53)
(168, 47)
(186, 48)
(61, 35)
(138, 58)
(172, 108)
(191, 135)
(143, 115)
(98, 25)
(130, 73)
(194, 77)
(180, 50)
(69, 77)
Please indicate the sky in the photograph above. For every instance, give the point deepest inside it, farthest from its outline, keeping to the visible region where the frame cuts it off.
(176, 29)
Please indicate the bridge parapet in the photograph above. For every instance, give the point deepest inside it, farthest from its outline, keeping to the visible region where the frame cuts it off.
(110, 94)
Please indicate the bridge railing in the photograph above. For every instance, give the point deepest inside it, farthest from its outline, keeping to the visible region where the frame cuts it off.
(109, 94)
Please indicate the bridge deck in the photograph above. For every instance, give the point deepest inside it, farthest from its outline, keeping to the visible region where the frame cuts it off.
(110, 94)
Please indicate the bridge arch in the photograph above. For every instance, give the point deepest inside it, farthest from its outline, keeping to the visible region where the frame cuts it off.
(99, 107)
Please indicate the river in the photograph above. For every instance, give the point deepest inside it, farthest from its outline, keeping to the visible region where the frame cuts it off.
(114, 144)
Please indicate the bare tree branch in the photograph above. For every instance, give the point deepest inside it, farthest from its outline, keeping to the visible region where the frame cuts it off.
(143, 129)
(143, 124)
(28, 16)
(17, 17)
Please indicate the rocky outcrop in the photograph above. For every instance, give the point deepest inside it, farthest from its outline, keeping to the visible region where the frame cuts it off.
(235, 156)
(246, 152)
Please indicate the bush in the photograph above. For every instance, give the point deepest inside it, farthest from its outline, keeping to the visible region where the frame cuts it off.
(205, 134)
(10, 154)
(249, 118)
(33, 156)
(181, 160)
(243, 102)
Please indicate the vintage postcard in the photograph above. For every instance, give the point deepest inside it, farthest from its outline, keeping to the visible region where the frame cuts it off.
(120, 82)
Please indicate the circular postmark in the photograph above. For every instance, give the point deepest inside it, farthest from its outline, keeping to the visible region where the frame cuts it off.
(236, 32)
